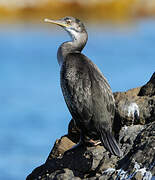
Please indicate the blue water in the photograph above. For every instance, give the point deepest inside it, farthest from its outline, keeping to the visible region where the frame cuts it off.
(32, 110)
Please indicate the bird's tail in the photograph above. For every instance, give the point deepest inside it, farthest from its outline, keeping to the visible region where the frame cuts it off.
(110, 143)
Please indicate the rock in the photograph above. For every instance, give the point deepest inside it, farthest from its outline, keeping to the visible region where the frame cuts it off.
(141, 157)
(149, 88)
(81, 163)
(127, 136)
(60, 146)
(65, 174)
(134, 109)
(138, 176)
(84, 163)
(134, 127)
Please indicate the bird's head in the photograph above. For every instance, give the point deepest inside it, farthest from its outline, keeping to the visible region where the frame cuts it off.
(73, 26)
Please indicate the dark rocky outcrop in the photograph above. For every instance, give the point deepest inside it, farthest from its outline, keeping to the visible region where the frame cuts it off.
(149, 88)
(134, 128)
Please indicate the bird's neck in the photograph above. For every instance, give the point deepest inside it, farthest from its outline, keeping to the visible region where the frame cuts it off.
(73, 46)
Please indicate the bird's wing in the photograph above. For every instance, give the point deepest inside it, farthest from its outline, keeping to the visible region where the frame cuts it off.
(87, 89)
(89, 98)
(104, 99)
(102, 96)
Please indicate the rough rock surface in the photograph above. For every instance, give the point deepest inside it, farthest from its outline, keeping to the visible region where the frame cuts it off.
(149, 88)
(134, 128)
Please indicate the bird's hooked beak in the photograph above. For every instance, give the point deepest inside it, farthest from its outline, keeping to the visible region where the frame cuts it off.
(58, 22)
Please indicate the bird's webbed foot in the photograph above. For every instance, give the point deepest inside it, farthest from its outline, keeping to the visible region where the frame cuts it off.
(83, 143)
(94, 142)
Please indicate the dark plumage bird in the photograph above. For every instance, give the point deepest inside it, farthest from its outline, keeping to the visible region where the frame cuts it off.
(86, 91)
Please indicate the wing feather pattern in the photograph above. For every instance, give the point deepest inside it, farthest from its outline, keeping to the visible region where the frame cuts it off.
(89, 98)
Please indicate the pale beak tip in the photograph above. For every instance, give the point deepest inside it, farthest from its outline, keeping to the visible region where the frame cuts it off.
(45, 20)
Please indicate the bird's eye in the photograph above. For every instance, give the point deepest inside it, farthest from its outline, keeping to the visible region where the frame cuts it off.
(68, 21)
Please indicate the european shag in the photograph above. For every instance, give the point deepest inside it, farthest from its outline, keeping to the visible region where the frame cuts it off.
(86, 91)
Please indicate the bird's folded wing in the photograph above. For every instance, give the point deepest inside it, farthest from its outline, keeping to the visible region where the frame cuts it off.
(86, 87)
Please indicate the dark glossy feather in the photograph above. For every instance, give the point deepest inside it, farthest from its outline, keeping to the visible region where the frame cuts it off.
(89, 99)
(110, 143)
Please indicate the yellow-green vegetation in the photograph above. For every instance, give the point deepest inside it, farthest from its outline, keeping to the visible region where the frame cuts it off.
(107, 10)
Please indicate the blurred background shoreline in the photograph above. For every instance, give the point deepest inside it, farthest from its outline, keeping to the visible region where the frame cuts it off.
(90, 10)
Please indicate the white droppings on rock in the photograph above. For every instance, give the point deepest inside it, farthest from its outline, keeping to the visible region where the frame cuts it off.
(146, 174)
(132, 110)
(121, 174)
(125, 128)
(136, 166)
(124, 175)
(109, 171)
